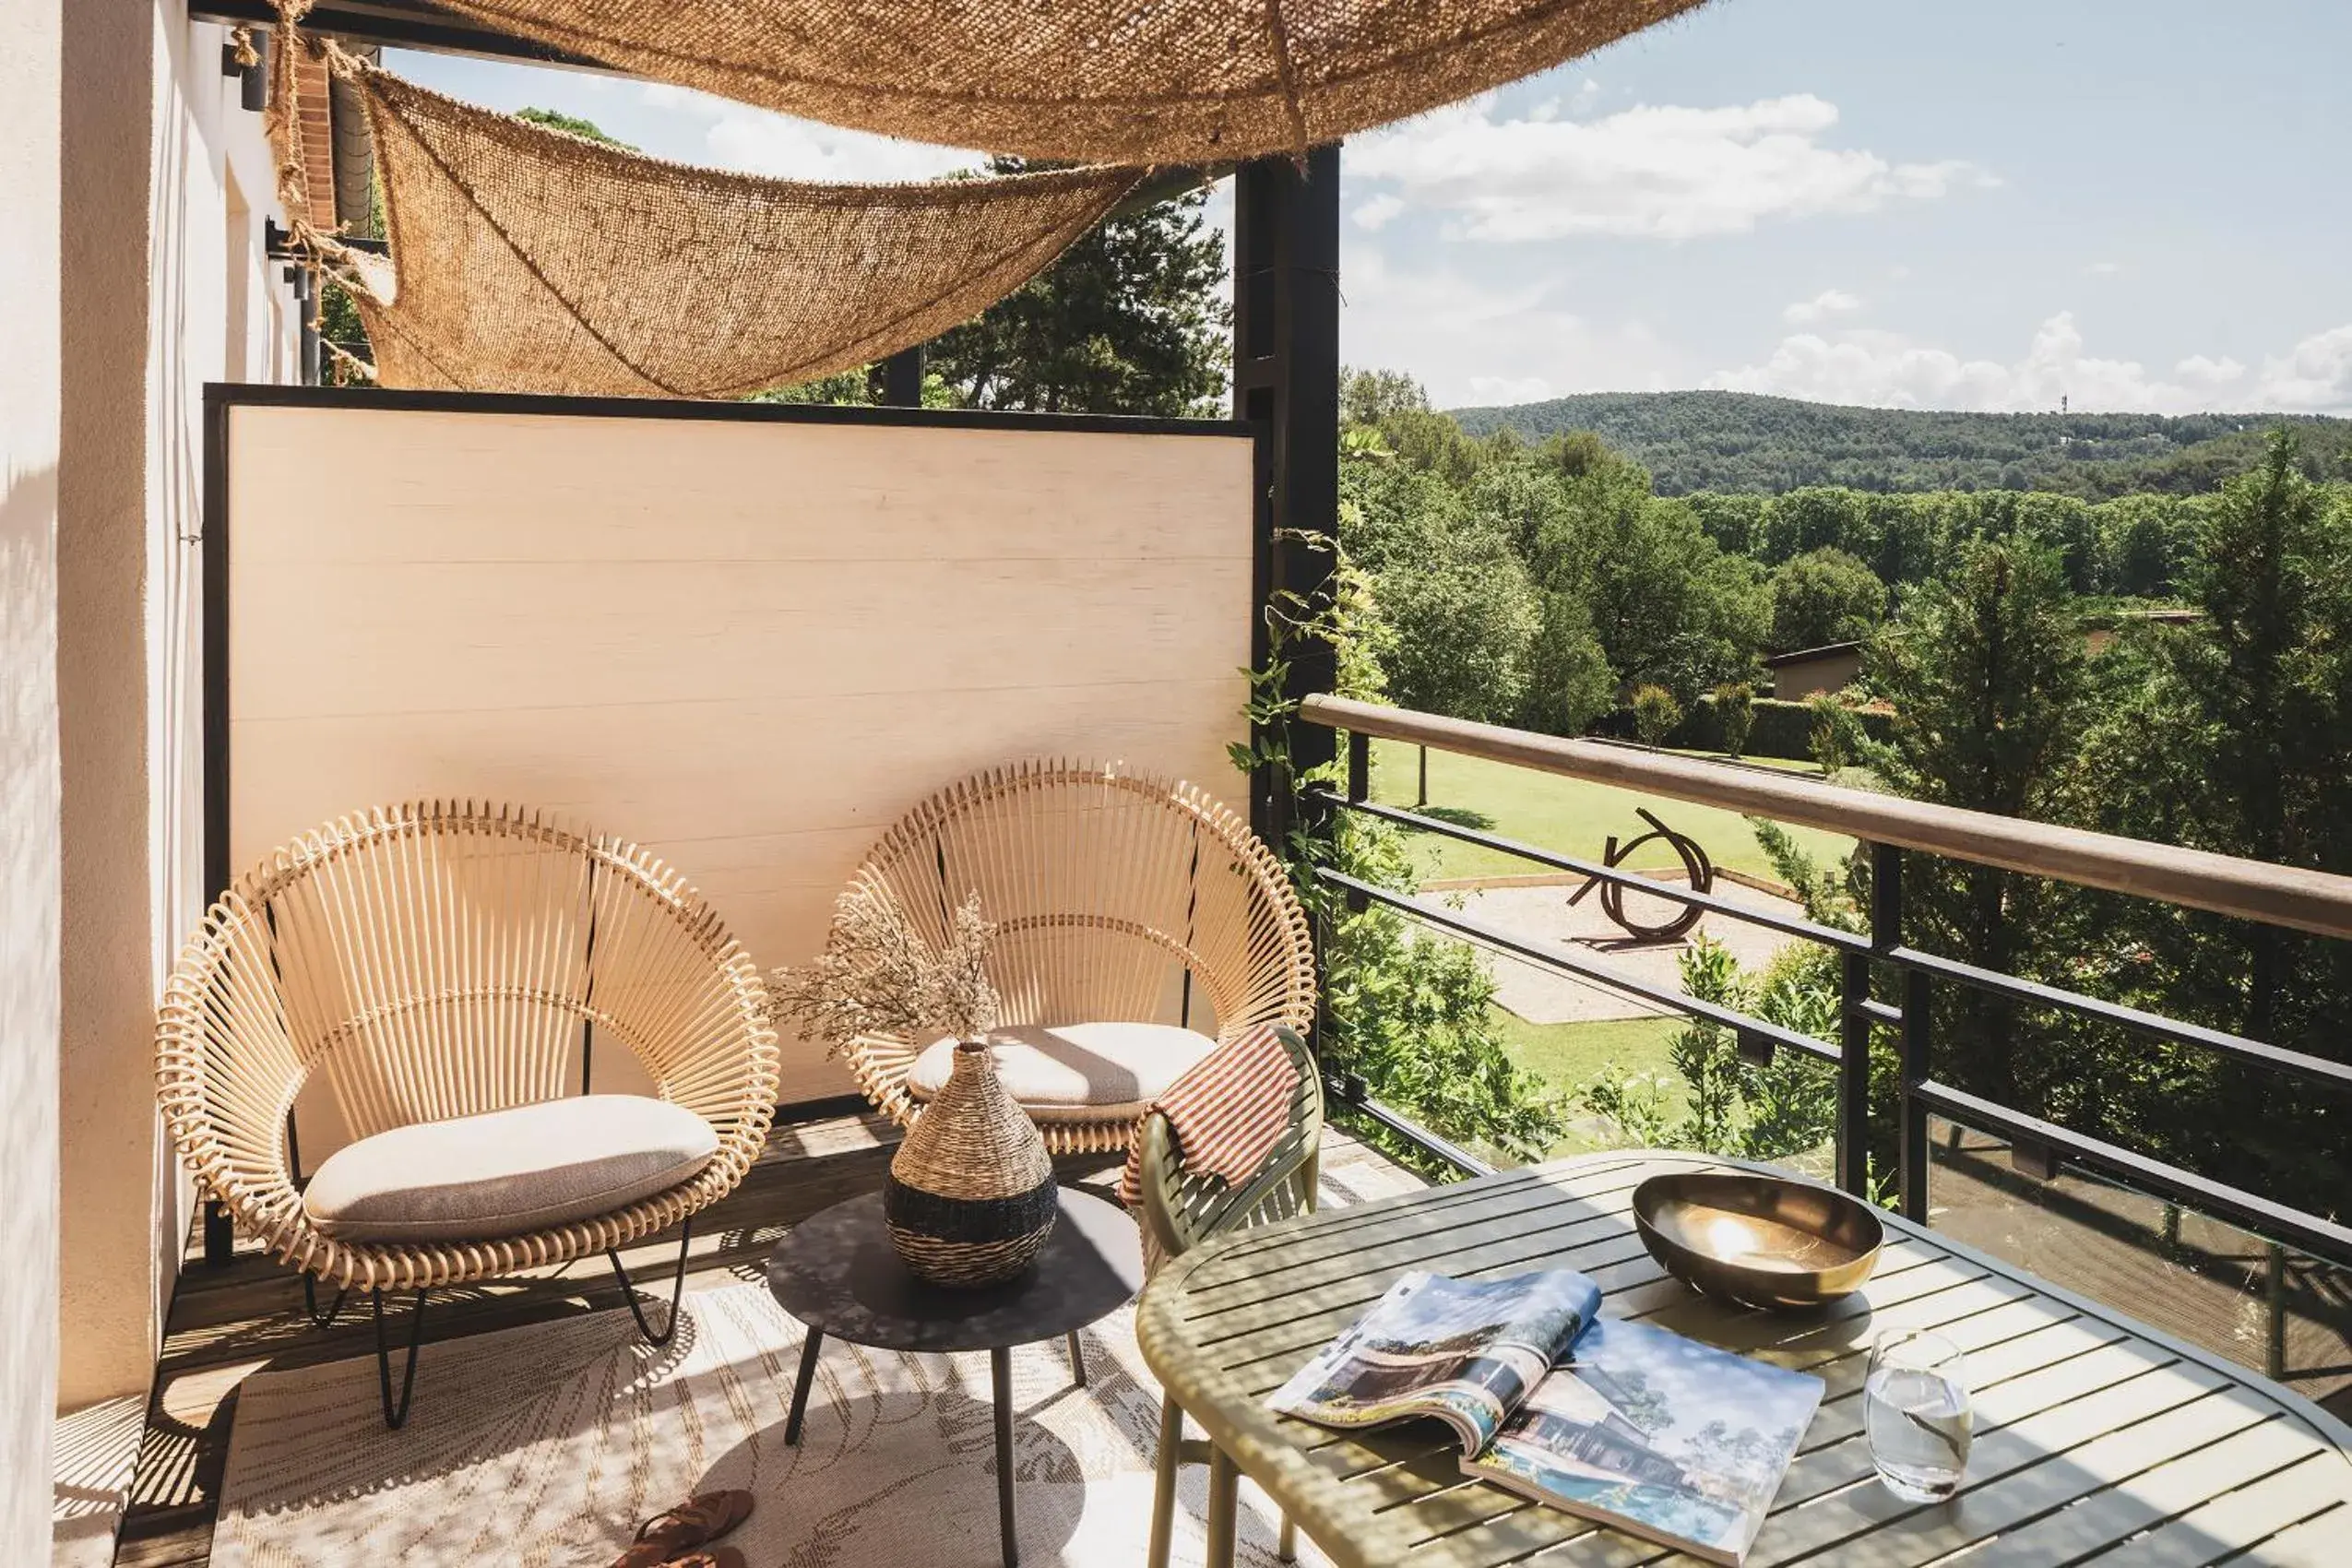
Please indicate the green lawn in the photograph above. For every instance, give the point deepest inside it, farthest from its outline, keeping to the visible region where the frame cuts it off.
(1567, 815)
(1568, 1054)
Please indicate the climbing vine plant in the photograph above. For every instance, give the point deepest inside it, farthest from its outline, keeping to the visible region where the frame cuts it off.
(1407, 1012)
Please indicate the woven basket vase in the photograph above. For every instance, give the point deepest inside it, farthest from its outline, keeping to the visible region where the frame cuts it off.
(970, 1199)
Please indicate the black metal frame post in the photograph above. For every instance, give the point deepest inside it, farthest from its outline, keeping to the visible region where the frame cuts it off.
(1854, 1074)
(902, 378)
(304, 280)
(1918, 997)
(1285, 384)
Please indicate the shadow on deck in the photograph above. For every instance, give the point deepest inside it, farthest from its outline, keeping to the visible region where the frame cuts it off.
(230, 1321)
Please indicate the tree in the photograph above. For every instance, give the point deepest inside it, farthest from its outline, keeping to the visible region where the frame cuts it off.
(556, 120)
(1465, 619)
(1835, 735)
(2239, 740)
(1368, 396)
(2146, 542)
(1985, 676)
(1817, 517)
(1569, 680)
(1666, 605)
(1823, 596)
(1734, 522)
(1132, 319)
(1735, 709)
(1656, 713)
(1577, 453)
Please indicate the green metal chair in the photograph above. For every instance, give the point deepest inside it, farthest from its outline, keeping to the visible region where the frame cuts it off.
(1179, 1212)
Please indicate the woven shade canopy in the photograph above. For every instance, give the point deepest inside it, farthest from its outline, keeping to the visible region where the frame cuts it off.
(1114, 82)
(527, 260)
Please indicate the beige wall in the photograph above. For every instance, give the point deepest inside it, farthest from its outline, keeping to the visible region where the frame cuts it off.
(28, 855)
(1831, 672)
(750, 645)
(150, 136)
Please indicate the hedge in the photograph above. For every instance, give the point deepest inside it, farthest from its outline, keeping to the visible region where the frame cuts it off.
(1781, 730)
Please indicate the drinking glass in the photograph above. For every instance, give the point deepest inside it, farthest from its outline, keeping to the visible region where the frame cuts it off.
(1915, 1407)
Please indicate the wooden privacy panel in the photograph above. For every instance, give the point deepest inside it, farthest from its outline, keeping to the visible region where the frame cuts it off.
(749, 644)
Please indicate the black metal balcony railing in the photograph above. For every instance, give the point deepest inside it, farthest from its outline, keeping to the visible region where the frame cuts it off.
(1891, 828)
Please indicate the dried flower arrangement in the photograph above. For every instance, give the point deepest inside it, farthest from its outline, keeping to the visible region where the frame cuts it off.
(878, 976)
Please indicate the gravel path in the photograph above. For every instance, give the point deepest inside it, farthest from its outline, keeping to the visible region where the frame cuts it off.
(1542, 914)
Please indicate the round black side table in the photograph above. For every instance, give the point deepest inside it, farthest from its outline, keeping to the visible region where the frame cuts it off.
(837, 1272)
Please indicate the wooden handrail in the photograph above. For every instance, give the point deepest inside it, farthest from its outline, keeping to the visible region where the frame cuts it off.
(2315, 901)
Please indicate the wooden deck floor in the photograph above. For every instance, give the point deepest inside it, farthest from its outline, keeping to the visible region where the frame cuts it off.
(230, 1321)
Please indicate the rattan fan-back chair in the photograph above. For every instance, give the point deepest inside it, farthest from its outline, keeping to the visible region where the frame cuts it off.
(1178, 1212)
(1139, 921)
(443, 959)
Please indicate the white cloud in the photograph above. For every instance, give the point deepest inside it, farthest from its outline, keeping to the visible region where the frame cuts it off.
(1821, 308)
(1883, 369)
(2313, 376)
(755, 141)
(2200, 370)
(1492, 390)
(1651, 172)
(2105, 269)
(1371, 215)
(1472, 341)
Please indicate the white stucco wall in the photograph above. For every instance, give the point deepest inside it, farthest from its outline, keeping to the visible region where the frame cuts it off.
(124, 264)
(154, 141)
(29, 783)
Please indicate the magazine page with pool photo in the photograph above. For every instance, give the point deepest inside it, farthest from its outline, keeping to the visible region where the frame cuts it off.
(1621, 1422)
(1465, 1352)
(1657, 1434)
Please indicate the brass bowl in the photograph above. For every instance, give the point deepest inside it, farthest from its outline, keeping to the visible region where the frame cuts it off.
(1759, 1240)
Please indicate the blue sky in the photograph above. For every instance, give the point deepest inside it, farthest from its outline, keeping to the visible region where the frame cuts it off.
(2133, 204)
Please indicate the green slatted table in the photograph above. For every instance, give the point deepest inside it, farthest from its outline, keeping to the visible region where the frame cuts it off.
(2097, 1440)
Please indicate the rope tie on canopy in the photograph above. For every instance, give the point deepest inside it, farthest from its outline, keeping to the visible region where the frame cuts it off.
(526, 259)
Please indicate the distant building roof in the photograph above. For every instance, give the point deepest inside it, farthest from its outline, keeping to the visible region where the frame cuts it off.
(1808, 655)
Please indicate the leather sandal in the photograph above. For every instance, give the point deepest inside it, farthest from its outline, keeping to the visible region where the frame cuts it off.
(674, 1536)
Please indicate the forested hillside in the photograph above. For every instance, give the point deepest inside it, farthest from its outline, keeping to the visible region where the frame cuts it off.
(1547, 584)
(1735, 440)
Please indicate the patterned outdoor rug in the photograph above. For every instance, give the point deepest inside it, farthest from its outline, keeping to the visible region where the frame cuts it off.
(540, 1447)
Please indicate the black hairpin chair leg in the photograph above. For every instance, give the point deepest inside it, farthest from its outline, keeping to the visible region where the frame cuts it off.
(677, 1288)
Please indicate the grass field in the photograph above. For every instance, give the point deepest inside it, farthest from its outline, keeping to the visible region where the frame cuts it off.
(1571, 816)
(1572, 1053)
(1568, 815)
(1567, 1055)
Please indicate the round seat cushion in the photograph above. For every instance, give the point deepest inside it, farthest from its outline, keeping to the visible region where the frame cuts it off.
(507, 1172)
(1076, 1071)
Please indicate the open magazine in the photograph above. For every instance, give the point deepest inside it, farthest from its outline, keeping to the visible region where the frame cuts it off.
(1619, 1422)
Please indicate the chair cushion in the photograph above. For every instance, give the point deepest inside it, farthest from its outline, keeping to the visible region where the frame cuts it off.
(1076, 1072)
(507, 1172)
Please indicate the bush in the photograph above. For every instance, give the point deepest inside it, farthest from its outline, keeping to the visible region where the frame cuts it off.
(1837, 733)
(1735, 709)
(1410, 1012)
(1777, 729)
(1656, 713)
(1781, 1110)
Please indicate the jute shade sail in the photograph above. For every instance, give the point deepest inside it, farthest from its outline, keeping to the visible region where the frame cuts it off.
(1116, 81)
(524, 259)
